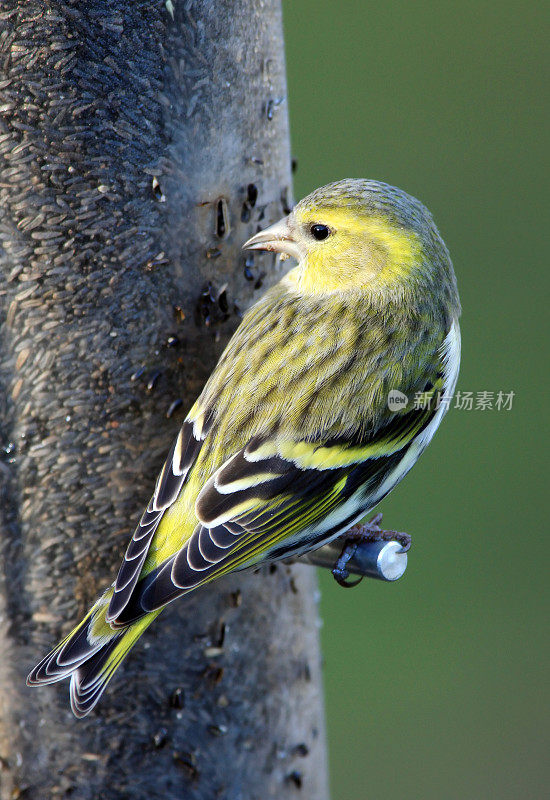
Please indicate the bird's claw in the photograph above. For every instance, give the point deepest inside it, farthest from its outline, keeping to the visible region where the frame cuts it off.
(339, 570)
(374, 521)
(369, 532)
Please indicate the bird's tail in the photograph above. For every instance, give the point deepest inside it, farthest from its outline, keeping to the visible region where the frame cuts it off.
(90, 654)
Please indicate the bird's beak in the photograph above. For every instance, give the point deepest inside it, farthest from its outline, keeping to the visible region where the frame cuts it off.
(277, 238)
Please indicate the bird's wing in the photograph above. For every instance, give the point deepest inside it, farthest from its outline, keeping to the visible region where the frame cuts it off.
(170, 480)
(273, 494)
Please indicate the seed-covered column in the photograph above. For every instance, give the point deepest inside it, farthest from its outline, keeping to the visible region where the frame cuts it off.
(140, 144)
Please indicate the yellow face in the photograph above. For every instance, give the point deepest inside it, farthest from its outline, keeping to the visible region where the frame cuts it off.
(342, 249)
(360, 235)
(346, 249)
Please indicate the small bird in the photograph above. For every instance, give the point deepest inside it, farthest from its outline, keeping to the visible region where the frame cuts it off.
(292, 440)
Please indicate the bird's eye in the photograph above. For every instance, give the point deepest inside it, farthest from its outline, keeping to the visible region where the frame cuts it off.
(320, 232)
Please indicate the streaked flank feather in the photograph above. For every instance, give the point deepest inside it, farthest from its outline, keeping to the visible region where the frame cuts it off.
(292, 439)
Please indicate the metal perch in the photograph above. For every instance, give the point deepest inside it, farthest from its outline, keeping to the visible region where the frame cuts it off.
(386, 561)
(364, 550)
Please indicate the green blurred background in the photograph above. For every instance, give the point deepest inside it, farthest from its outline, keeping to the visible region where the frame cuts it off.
(437, 686)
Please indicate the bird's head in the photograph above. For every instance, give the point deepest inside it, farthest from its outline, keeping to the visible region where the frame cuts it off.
(359, 235)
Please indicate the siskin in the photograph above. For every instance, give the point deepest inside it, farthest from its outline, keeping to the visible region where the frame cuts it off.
(292, 440)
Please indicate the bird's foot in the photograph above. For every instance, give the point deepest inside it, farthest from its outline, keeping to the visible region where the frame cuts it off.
(358, 534)
(372, 532)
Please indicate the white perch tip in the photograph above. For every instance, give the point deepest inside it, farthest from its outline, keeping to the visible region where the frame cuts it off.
(386, 561)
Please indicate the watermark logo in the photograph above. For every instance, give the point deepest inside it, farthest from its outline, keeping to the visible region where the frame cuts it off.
(397, 400)
(464, 401)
